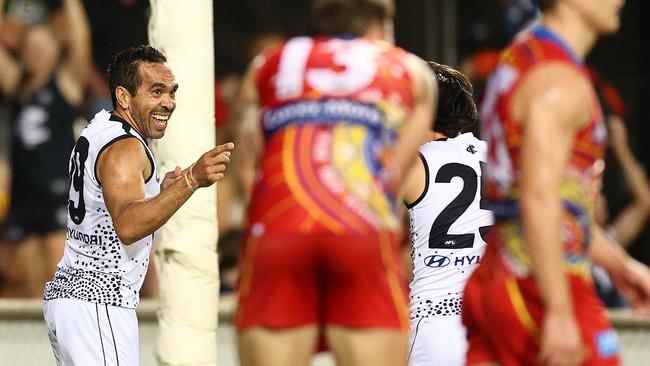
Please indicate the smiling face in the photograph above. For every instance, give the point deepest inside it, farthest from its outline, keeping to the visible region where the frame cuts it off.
(154, 100)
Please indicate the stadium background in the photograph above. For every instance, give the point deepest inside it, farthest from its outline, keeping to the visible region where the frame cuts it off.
(449, 31)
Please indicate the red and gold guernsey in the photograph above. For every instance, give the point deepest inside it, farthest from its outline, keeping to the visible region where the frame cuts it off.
(506, 250)
(327, 131)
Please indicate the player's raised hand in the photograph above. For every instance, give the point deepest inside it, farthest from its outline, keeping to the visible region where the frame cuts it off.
(171, 177)
(561, 340)
(211, 166)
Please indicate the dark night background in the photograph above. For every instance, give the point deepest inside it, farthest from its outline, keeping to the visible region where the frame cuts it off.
(429, 28)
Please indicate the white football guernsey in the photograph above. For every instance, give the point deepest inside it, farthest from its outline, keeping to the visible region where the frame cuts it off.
(96, 266)
(446, 223)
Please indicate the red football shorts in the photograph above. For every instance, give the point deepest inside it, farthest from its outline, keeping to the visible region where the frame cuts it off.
(503, 318)
(293, 280)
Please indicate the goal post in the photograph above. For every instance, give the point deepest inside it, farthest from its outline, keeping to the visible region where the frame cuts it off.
(186, 255)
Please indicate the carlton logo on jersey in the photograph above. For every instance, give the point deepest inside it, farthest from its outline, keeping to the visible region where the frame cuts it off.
(439, 261)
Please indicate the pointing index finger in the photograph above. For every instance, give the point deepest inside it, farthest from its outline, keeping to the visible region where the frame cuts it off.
(221, 148)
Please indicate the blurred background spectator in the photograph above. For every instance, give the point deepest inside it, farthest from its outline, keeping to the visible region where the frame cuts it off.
(43, 81)
(115, 25)
(228, 247)
(471, 33)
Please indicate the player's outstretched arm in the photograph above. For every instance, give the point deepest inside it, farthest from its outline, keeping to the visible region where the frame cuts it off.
(122, 169)
(550, 106)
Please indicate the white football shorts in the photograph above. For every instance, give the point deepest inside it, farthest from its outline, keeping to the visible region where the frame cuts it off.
(440, 341)
(84, 333)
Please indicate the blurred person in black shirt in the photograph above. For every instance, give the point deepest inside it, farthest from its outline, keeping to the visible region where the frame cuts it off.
(43, 78)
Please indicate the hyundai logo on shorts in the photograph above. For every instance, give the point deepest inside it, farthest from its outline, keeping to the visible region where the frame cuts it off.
(436, 261)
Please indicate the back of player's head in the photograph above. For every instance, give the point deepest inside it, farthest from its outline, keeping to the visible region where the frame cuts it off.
(329, 17)
(456, 106)
(123, 68)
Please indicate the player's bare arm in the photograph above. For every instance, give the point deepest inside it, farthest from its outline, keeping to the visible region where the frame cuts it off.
(415, 182)
(122, 170)
(415, 131)
(552, 103)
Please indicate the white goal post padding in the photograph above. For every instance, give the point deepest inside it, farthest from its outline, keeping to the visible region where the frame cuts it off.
(186, 245)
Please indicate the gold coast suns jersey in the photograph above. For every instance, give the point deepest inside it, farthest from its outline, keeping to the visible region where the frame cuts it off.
(96, 266)
(446, 224)
(332, 108)
(504, 136)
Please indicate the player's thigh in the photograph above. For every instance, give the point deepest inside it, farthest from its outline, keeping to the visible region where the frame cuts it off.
(277, 347)
(437, 341)
(84, 333)
(367, 346)
(363, 281)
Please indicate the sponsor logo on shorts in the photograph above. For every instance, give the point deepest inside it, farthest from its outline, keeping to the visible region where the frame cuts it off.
(606, 343)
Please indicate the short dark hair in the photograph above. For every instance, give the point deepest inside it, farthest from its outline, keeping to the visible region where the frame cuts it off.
(123, 69)
(329, 17)
(545, 5)
(456, 106)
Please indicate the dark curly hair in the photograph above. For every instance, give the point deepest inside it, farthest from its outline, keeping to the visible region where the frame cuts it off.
(456, 106)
